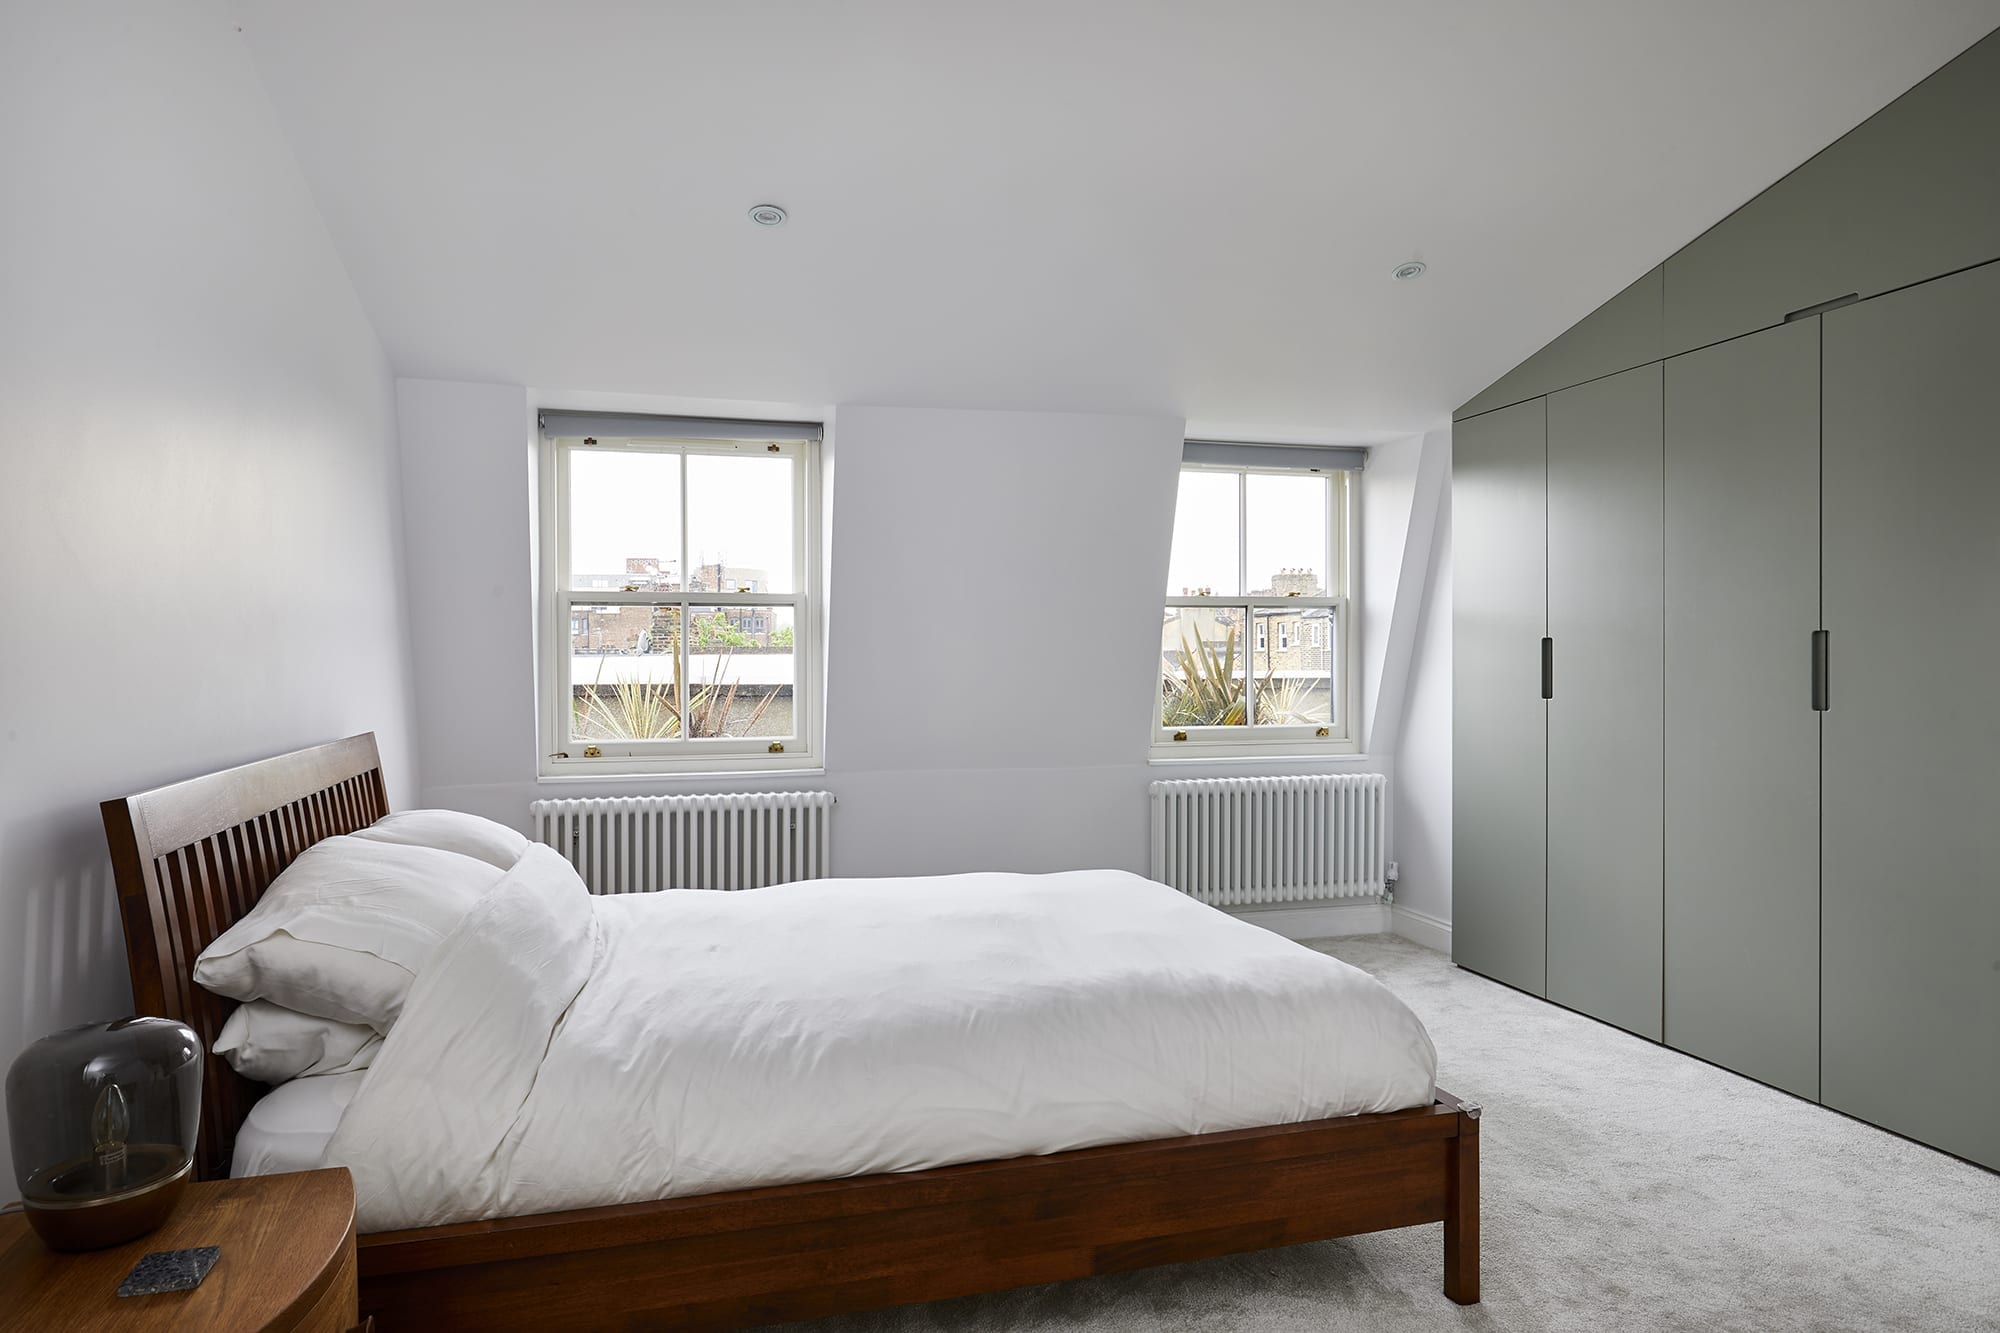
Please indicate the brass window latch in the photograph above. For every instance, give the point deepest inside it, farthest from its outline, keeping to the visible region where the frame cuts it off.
(592, 752)
(777, 747)
(1180, 735)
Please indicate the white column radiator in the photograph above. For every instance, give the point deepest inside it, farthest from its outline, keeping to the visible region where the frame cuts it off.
(1242, 841)
(637, 844)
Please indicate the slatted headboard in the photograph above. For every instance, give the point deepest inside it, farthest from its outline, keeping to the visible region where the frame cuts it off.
(193, 858)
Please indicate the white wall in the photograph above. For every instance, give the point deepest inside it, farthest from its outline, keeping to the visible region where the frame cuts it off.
(1398, 507)
(1423, 756)
(1388, 489)
(1406, 647)
(199, 484)
(1014, 736)
(468, 485)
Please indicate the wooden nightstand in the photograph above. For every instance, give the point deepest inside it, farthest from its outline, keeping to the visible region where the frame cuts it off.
(287, 1263)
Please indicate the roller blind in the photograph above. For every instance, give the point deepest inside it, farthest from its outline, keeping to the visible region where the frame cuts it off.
(634, 426)
(1305, 457)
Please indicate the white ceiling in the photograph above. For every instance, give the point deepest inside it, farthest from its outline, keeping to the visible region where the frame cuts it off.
(1097, 205)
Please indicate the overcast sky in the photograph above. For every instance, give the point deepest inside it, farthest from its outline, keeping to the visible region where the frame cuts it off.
(629, 504)
(1287, 525)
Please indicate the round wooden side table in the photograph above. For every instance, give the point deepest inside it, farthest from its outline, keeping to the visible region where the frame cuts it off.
(287, 1264)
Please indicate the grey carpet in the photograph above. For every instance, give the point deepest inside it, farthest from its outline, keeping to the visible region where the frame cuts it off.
(1625, 1187)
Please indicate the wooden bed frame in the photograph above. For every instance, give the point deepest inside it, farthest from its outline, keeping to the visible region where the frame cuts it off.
(192, 858)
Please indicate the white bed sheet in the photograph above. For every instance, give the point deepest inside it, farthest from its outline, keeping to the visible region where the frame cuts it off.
(289, 1127)
(563, 1051)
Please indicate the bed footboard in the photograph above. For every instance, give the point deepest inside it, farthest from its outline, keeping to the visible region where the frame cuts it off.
(830, 1247)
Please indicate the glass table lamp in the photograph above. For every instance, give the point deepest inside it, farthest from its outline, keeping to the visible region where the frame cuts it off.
(103, 1120)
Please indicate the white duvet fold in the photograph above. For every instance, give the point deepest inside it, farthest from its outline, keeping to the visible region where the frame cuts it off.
(562, 1051)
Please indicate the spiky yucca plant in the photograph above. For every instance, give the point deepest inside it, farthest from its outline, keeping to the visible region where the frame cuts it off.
(1283, 701)
(634, 710)
(710, 705)
(648, 711)
(1208, 692)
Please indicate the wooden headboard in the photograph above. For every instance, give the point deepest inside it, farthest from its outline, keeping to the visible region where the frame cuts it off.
(190, 860)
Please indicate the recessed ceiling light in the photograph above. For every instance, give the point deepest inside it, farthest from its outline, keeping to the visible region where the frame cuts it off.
(768, 215)
(1408, 272)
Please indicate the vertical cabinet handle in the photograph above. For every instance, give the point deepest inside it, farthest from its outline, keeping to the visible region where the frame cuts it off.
(1548, 667)
(1819, 691)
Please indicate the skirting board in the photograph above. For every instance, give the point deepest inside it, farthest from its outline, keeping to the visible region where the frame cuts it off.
(1315, 921)
(1421, 928)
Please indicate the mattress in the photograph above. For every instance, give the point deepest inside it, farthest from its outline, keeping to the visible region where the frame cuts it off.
(563, 1051)
(289, 1127)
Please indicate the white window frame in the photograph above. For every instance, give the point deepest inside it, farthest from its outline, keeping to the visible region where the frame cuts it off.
(1250, 741)
(564, 756)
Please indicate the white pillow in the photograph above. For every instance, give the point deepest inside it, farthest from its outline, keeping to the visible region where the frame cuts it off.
(288, 1128)
(450, 831)
(273, 1044)
(344, 930)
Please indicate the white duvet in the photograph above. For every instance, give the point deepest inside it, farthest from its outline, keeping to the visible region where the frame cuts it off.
(561, 1051)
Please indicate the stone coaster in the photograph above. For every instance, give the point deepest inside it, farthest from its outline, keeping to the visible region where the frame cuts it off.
(169, 1270)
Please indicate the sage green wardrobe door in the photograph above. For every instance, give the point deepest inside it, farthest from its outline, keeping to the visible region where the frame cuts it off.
(1604, 600)
(1499, 900)
(1911, 870)
(1742, 739)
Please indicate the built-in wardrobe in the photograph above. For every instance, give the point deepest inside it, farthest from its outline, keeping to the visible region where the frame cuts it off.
(1727, 638)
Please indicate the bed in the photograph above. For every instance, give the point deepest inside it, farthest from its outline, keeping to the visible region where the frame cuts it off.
(192, 859)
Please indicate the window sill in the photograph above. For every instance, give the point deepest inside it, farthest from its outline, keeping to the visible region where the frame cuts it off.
(624, 771)
(1184, 755)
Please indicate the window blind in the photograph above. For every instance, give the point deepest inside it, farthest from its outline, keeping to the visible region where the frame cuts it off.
(636, 426)
(1304, 457)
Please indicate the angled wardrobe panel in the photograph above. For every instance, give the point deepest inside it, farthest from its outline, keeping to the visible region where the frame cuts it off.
(1742, 739)
(1499, 902)
(1622, 333)
(1604, 554)
(1911, 868)
(1910, 193)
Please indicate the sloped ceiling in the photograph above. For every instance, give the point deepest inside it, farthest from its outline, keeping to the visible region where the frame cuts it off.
(1119, 205)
